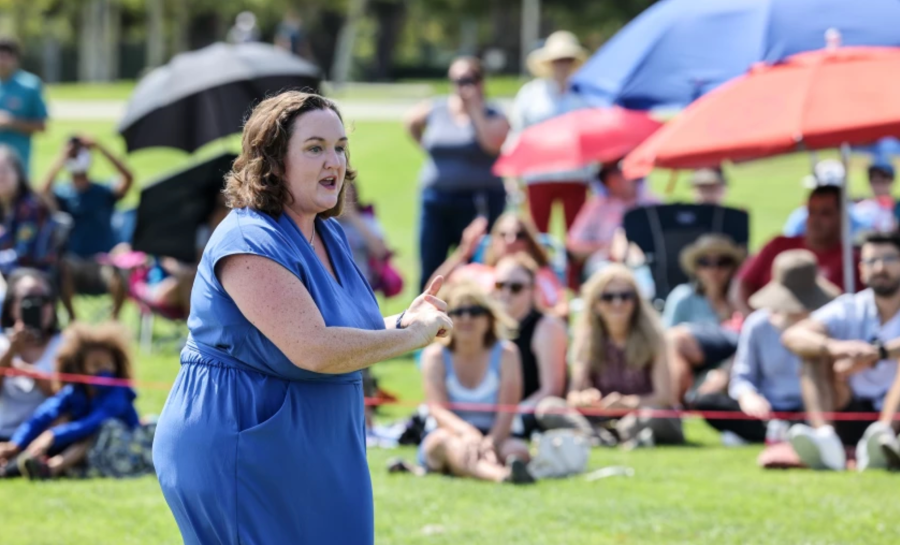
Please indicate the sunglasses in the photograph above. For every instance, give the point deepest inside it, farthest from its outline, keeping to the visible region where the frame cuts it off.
(473, 311)
(715, 262)
(514, 288)
(624, 296)
(467, 80)
(518, 235)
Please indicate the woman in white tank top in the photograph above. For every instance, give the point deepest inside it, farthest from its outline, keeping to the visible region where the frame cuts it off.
(476, 367)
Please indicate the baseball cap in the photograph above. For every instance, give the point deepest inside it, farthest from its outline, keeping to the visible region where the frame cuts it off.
(884, 167)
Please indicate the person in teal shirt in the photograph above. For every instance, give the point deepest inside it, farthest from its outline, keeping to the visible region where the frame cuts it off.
(22, 108)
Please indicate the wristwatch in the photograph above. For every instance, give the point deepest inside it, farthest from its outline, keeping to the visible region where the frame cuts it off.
(882, 350)
(399, 324)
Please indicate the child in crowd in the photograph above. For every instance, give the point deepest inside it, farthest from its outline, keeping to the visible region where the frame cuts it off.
(63, 432)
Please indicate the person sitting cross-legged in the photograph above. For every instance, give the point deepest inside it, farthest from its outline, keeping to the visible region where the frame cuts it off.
(476, 366)
(850, 349)
(765, 376)
(620, 365)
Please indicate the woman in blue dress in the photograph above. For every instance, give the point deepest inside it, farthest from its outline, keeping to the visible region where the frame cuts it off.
(262, 438)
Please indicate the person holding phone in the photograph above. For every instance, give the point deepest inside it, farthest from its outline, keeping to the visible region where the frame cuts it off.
(461, 136)
(91, 205)
(30, 342)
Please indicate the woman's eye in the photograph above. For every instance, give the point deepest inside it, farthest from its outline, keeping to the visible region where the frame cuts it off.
(315, 149)
(341, 149)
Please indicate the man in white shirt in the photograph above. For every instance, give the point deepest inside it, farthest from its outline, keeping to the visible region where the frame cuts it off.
(850, 349)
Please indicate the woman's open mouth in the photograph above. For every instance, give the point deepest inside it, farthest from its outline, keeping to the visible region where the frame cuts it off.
(329, 182)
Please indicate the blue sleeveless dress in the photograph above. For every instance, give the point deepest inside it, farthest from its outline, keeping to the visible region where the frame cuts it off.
(250, 448)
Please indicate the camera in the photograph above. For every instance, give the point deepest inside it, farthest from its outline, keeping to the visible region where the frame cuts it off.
(32, 308)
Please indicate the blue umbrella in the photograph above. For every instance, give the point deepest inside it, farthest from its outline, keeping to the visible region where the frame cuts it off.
(883, 150)
(678, 50)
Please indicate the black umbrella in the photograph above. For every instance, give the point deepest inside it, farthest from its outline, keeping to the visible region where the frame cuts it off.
(172, 208)
(206, 94)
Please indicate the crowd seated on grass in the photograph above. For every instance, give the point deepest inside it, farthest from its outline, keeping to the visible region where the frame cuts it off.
(765, 376)
(89, 429)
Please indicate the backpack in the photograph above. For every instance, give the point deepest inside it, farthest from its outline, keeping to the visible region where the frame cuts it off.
(559, 453)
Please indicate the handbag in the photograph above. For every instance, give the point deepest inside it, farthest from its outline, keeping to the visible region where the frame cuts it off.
(559, 453)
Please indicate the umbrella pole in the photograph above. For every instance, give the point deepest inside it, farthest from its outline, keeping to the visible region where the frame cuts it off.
(673, 179)
(846, 239)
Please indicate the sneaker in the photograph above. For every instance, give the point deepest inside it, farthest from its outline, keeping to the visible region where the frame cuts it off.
(518, 471)
(819, 448)
(731, 439)
(34, 469)
(869, 451)
(890, 449)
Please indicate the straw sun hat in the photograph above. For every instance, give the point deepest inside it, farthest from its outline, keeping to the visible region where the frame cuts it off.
(562, 44)
(709, 244)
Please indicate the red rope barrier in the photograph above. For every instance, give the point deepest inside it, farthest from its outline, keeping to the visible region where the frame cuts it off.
(473, 407)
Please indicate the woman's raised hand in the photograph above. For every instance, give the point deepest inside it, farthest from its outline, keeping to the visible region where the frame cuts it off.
(428, 315)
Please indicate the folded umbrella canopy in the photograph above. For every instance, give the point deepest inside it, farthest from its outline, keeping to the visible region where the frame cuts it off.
(830, 98)
(677, 50)
(203, 95)
(172, 208)
(574, 140)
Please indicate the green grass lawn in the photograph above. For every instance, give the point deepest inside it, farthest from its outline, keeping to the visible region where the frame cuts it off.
(691, 495)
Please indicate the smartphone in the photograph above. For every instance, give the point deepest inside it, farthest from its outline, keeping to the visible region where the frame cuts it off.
(32, 312)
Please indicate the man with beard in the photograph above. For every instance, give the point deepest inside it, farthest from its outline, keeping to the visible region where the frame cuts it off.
(850, 349)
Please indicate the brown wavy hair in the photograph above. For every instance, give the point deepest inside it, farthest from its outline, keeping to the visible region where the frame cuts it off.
(529, 231)
(256, 179)
(80, 339)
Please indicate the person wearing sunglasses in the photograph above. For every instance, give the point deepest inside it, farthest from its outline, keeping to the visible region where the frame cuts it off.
(850, 348)
(476, 261)
(476, 365)
(620, 365)
(542, 339)
(699, 315)
(461, 136)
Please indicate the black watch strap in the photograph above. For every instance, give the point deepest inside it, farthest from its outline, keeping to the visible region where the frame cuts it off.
(399, 324)
(882, 350)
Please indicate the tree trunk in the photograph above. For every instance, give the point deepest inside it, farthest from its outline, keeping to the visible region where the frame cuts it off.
(180, 31)
(51, 53)
(156, 34)
(391, 18)
(343, 56)
(323, 35)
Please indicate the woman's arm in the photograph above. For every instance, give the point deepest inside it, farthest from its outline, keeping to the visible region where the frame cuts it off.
(433, 376)
(662, 383)
(417, 119)
(280, 306)
(510, 393)
(490, 131)
(549, 346)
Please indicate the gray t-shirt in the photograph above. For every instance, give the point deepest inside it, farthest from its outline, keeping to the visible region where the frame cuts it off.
(20, 396)
(855, 317)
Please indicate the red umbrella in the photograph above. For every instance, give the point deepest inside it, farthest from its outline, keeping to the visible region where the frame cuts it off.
(814, 100)
(574, 140)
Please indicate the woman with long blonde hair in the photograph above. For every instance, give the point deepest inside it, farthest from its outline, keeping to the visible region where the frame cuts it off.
(620, 363)
(475, 365)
